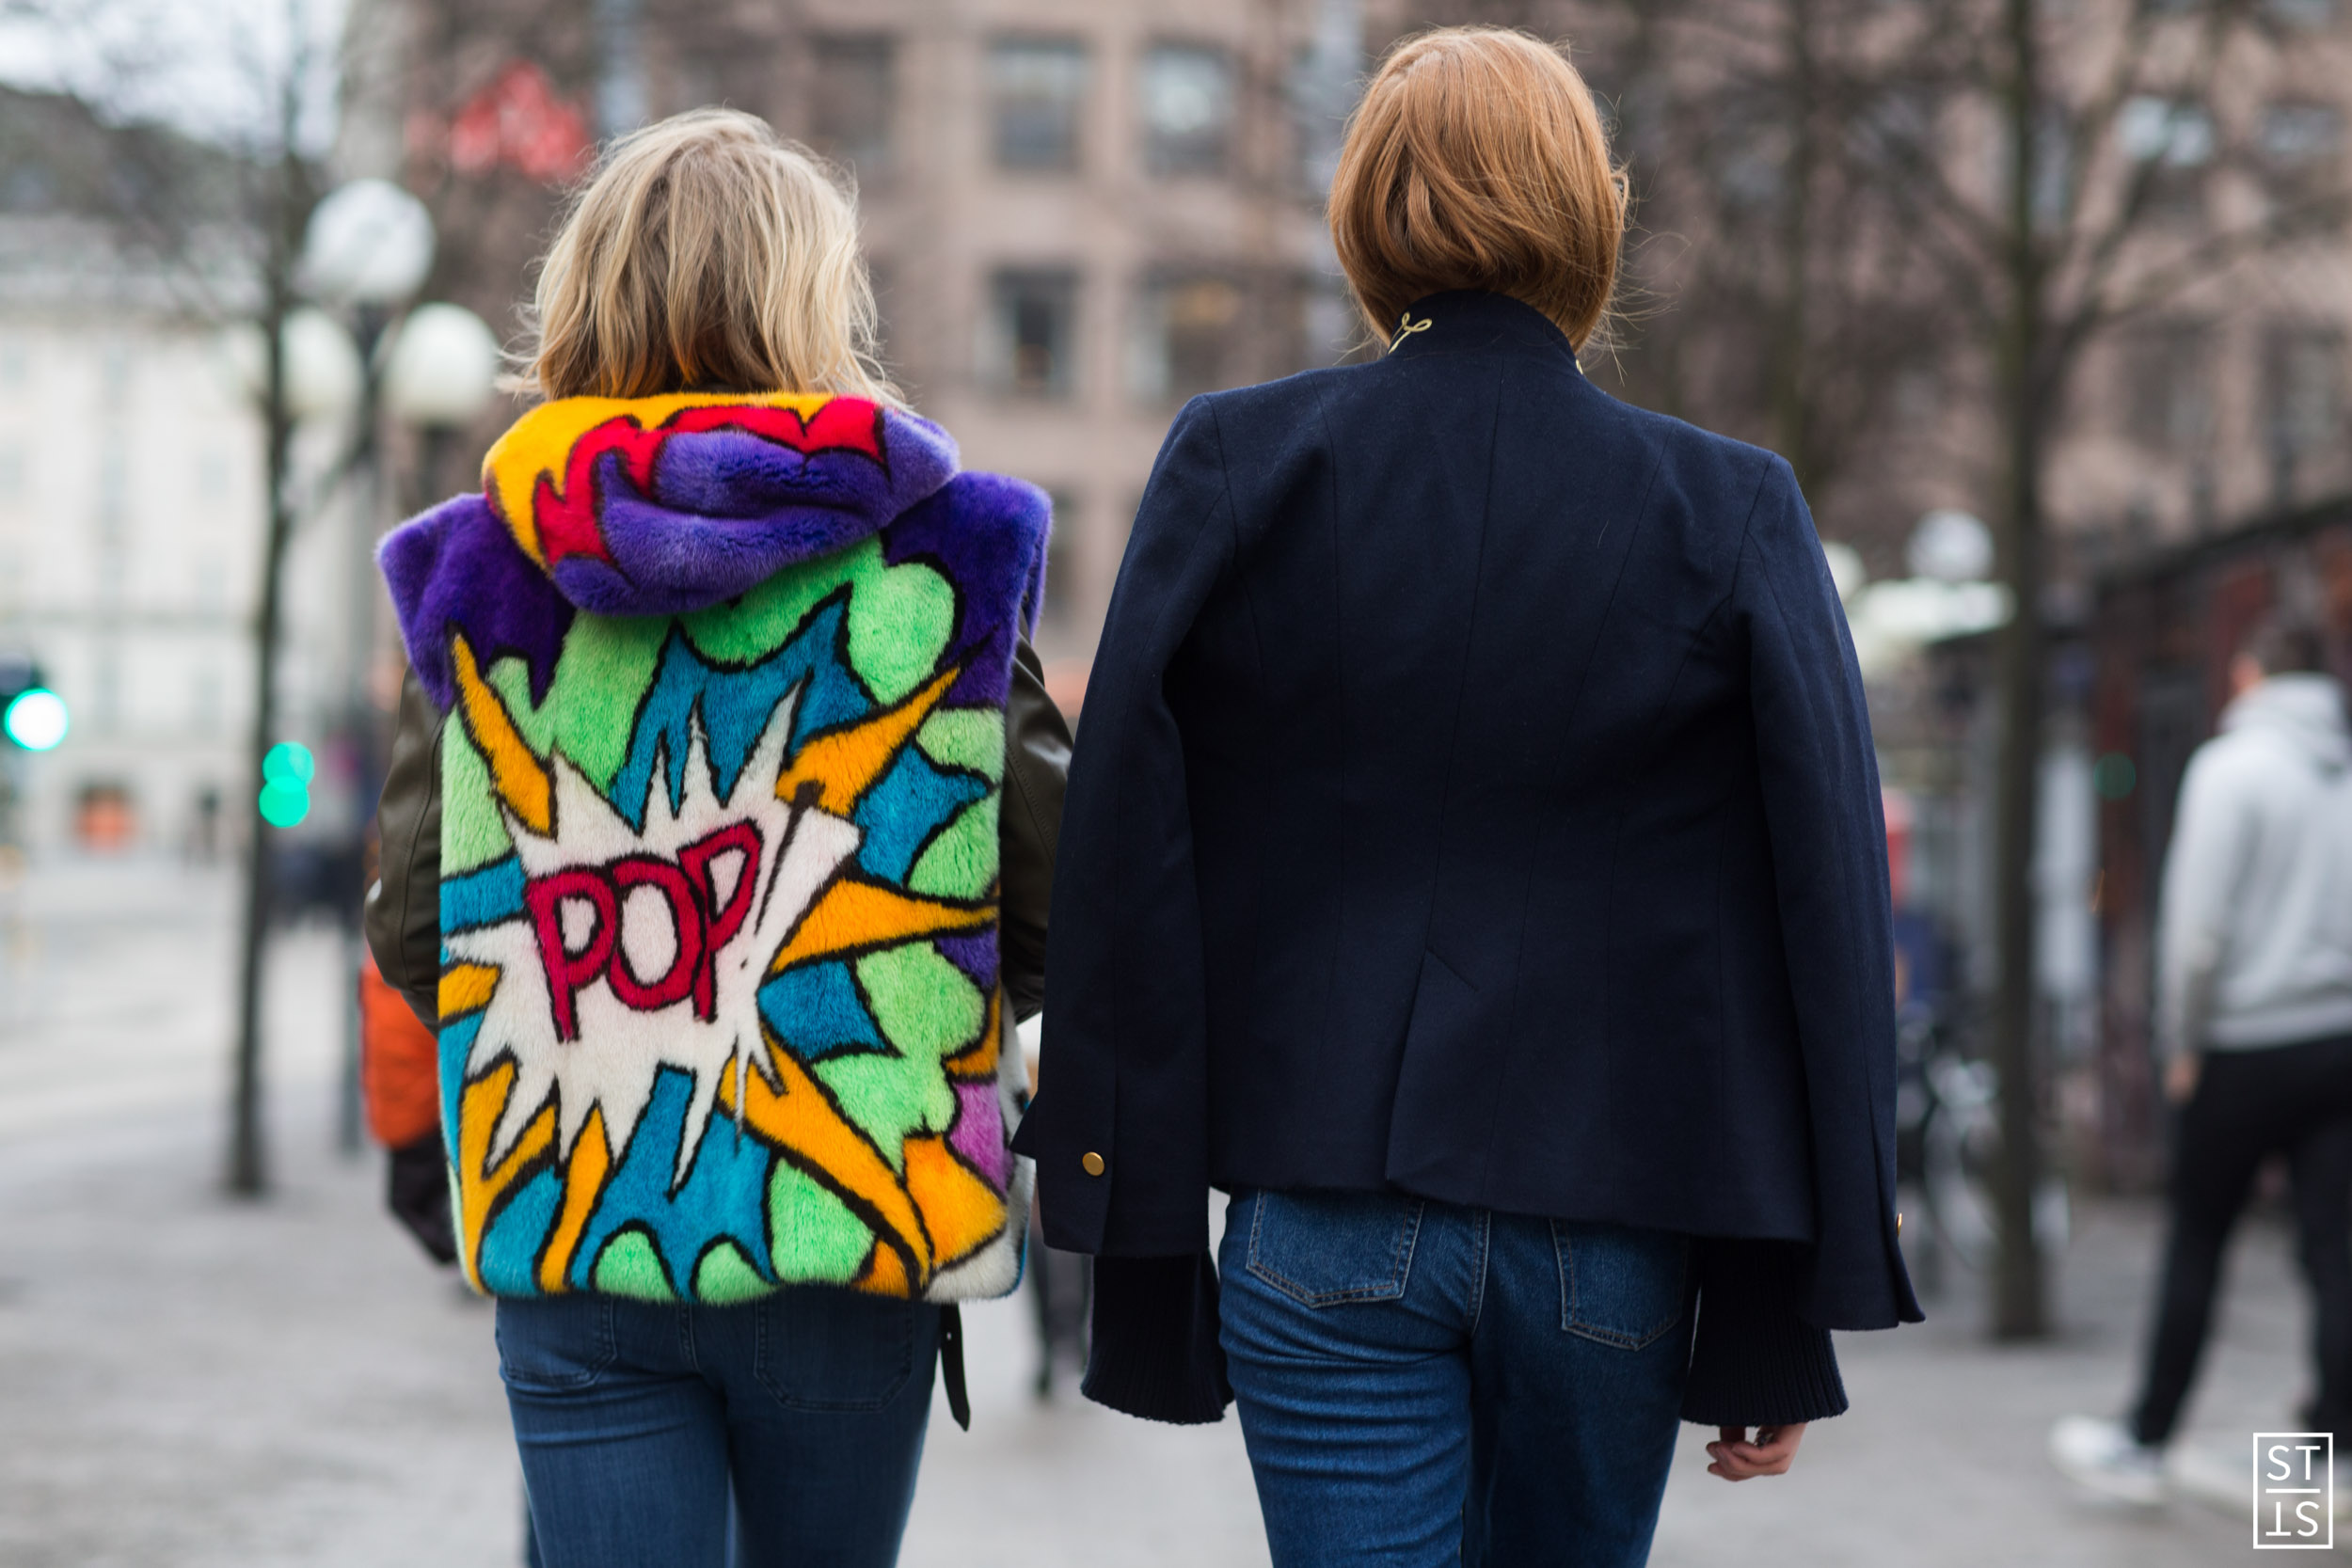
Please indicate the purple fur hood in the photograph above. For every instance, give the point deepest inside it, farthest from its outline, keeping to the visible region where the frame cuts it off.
(663, 506)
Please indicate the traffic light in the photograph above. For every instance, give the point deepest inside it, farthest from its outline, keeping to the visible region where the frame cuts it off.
(32, 717)
(286, 775)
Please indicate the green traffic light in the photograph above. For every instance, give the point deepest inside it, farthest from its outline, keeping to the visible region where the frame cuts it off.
(284, 805)
(290, 762)
(287, 770)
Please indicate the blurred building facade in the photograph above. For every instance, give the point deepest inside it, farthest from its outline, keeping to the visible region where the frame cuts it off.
(131, 494)
(1078, 213)
(1801, 272)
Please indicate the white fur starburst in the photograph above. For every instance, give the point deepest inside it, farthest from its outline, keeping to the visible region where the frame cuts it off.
(618, 1051)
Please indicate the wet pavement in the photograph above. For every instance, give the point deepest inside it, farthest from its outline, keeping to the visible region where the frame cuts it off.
(188, 1379)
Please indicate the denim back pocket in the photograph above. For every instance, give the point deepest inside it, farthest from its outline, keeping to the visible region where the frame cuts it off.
(553, 1344)
(1323, 1248)
(826, 1349)
(1620, 1285)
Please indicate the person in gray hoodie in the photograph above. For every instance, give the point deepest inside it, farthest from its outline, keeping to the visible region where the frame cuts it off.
(2254, 1025)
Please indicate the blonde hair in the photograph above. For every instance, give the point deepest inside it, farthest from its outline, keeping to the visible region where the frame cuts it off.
(704, 253)
(1477, 160)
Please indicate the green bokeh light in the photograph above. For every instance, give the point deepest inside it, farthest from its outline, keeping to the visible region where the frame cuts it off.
(2113, 776)
(284, 802)
(290, 762)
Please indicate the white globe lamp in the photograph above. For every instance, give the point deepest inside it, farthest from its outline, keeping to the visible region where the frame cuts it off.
(1950, 546)
(442, 368)
(369, 243)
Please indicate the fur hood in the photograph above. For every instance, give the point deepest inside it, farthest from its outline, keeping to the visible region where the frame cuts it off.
(654, 506)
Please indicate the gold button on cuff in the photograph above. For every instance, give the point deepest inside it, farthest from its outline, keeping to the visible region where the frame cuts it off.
(1091, 1163)
(1899, 1222)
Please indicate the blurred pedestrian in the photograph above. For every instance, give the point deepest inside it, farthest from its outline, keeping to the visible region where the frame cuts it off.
(400, 1086)
(2254, 1029)
(1058, 1283)
(401, 1091)
(1473, 864)
(718, 835)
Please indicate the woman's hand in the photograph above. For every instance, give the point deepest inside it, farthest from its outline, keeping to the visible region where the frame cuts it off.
(1771, 1453)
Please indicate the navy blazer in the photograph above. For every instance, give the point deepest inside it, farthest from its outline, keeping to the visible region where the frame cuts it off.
(1475, 797)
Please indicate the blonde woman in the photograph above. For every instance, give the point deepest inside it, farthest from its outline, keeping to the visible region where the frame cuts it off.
(1473, 865)
(717, 845)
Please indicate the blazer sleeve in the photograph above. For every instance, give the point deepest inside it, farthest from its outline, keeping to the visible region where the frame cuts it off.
(403, 915)
(1827, 830)
(1754, 1360)
(1119, 1129)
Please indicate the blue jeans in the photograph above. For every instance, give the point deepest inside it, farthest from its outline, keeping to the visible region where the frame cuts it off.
(1426, 1383)
(638, 1423)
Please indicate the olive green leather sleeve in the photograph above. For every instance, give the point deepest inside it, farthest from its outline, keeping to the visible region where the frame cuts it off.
(1037, 768)
(403, 909)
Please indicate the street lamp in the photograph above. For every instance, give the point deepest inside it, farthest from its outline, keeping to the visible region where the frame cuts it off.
(370, 244)
(366, 250)
(440, 375)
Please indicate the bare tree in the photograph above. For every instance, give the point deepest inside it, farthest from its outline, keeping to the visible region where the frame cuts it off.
(227, 253)
(2104, 122)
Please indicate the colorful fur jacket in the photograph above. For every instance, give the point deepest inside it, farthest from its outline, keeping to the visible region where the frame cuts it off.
(722, 683)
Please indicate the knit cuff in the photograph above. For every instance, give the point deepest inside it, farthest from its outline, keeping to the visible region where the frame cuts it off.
(1154, 1351)
(1754, 1361)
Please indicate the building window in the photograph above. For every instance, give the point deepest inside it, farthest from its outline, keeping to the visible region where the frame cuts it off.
(1187, 109)
(1037, 89)
(855, 100)
(1187, 337)
(2301, 146)
(2301, 133)
(2312, 16)
(204, 702)
(2168, 391)
(1029, 348)
(209, 578)
(2303, 385)
(1062, 587)
(2170, 143)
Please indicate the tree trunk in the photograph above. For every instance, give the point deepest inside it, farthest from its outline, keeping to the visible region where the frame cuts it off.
(248, 1169)
(2019, 1310)
(1791, 405)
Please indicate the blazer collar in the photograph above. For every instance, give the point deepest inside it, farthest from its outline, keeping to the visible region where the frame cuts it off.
(1468, 320)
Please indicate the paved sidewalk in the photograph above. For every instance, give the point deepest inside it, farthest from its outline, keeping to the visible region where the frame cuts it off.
(186, 1380)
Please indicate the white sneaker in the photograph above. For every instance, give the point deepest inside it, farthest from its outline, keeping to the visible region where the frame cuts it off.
(2105, 1457)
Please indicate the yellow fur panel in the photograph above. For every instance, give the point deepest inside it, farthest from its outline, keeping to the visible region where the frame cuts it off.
(466, 989)
(478, 1188)
(584, 1184)
(962, 1212)
(516, 773)
(541, 443)
(853, 916)
(845, 763)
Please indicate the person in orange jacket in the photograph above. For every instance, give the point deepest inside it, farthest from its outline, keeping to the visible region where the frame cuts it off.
(400, 1087)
